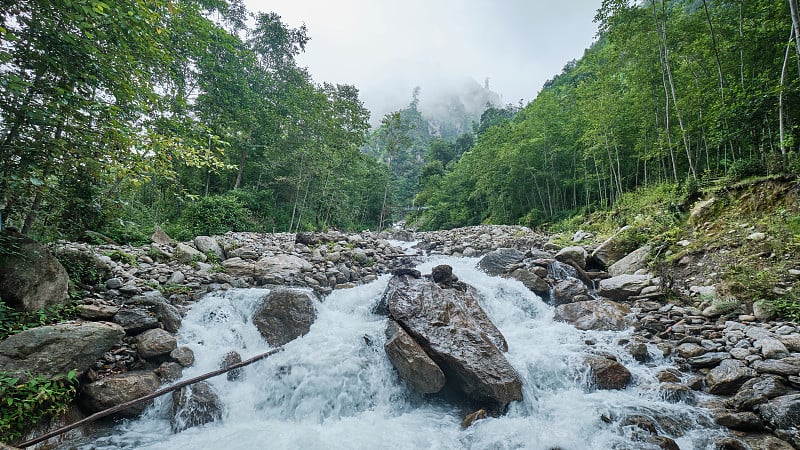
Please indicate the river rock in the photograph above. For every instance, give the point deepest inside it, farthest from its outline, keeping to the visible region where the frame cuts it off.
(134, 321)
(31, 277)
(209, 245)
(183, 356)
(168, 315)
(782, 412)
(742, 421)
(56, 349)
(786, 366)
(576, 254)
(622, 287)
(632, 262)
(454, 331)
(607, 373)
(531, 281)
(568, 291)
(231, 359)
(499, 261)
(186, 254)
(728, 377)
(160, 236)
(285, 314)
(195, 405)
(756, 391)
(612, 249)
(155, 342)
(412, 363)
(97, 312)
(773, 348)
(601, 315)
(117, 389)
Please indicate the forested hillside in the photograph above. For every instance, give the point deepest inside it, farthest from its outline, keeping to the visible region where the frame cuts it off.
(117, 116)
(675, 91)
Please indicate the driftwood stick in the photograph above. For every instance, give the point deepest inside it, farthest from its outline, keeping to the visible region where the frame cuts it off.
(158, 393)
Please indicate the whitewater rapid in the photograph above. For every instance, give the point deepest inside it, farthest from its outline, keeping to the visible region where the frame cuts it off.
(334, 388)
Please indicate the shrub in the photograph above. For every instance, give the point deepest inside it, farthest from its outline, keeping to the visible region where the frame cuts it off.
(13, 321)
(26, 402)
(217, 214)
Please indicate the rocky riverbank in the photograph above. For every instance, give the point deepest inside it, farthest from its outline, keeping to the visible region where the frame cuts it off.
(134, 298)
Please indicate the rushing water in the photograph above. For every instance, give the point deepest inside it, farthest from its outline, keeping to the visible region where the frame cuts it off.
(334, 388)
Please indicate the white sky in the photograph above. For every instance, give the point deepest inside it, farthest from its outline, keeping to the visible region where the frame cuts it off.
(386, 47)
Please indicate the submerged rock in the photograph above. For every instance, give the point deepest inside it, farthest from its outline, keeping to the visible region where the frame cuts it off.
(607, 373)
(195, 405)
(452, 328)
(499, 261)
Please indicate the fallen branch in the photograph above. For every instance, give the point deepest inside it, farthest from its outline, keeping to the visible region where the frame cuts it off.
(156, 394)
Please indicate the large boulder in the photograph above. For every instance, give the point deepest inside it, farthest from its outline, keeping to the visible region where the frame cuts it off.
(612, 249)
(209, 245)
(455, 332)
(118, 389)
(531, 281)
(728, 377)
(187, 254)
(279, 266)
(602, 315)
(783, 412)
(575, 254)
(30, 277)
(632, 262)
(285, 314)
(569, 290)
(195, 405)
(412, 363)
(756, 391)
(622, 287)
(499, 261)
(56, 349)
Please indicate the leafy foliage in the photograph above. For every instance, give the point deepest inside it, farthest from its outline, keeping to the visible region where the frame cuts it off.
(13, 321)
(25, 402)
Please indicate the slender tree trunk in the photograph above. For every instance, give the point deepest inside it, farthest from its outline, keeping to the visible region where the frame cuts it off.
(666, 92)
(240, 172)
(716, 53)
(781, 112)
(385, 192)
(796, 26)
(741, 41)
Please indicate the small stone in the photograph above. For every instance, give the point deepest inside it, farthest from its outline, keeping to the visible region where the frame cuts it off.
(183, 356)
(114, 283)
(756, 237)
(155, 342)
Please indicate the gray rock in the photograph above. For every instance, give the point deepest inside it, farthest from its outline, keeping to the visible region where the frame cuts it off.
(638, 259)
(207, 244)
(773, 348)
(183, 356)
(568, 291)
(56, 349)
(97, 312)
(195, 405)
(782, 412)
(160, 236)
(185, 253)
(412, 363)
(531, 281)
(285, 314)
(455, 332)
(499, 261)
(728, 377)
(232, 358)
(168, 315)
(676, 392)
(766, 442)
(623, 286)
(786, 366)
(117, 389)
(607, 373)
(31, 277)
(741, 421)
(757, 391)
(576, 254)
(134, 321)
(114, 283)
(177, 277)
(710, 359)
(791, 342)
(169, 371)
(155, 342)
(612, 249)
(601, 315)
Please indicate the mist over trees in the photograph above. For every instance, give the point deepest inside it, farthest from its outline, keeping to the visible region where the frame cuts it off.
(680, 91)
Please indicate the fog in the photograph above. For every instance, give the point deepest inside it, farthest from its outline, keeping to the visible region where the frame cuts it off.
(386, 48)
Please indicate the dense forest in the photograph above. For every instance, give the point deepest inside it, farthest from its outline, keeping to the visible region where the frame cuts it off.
(194, 115)
(116, 116)
(680, 92)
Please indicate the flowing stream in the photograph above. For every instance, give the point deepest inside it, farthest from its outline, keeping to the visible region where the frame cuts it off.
(334, 388)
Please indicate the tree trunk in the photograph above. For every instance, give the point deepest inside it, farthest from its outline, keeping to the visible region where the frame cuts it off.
(716, 54)
(781, 112)
(796, 26)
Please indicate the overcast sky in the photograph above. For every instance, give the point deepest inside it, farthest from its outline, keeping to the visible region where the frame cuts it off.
(386, 47)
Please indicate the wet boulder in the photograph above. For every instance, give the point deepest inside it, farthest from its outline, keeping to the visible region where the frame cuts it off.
(600, 315)
(531, 281)
(56, 349)
(499, 261)
(607, 373)
(195, 405)
(452, 328)
(118, 389)
(569, 290)
(412, 363)
(31, 277)
(285, 314)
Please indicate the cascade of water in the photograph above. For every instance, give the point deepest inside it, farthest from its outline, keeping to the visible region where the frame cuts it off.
(335, 388)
